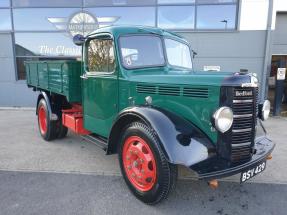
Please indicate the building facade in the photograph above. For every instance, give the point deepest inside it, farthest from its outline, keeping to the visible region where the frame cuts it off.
(228, 34)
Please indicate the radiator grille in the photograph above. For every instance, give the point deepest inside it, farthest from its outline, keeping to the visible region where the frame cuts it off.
(244, 110)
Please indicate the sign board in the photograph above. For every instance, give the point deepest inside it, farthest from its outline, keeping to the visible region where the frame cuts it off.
(281, 73)
(211, 68)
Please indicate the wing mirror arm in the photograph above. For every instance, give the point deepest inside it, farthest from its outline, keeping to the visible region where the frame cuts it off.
(194, 53)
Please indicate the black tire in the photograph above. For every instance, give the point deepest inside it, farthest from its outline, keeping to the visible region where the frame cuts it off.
(50, 131)
(166, 173)
(62, 130)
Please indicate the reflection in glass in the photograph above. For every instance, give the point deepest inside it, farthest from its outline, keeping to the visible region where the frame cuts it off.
(176, 17)
(101, 56)
(5, 20)
(90, 3)
(55, 19)
(45, 44)
(215, 1)
(141, 51)
(124, 16)
(178, 54)
(4, 3)
(176, 1)
(216, 16)
(47, 3)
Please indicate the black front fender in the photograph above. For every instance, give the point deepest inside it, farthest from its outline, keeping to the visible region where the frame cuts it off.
(182, 142)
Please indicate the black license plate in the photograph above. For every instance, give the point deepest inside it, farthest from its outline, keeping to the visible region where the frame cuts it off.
(250, 173)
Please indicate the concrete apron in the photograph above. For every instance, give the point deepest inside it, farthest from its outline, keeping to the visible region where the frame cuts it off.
(22, 149)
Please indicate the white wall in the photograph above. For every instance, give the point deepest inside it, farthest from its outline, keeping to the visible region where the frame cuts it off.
(253, 15)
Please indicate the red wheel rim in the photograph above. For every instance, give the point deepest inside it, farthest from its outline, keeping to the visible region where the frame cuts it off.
(139, 163)
(42, 117)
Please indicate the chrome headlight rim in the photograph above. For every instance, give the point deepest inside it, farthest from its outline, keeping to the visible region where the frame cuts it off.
(265, 111)
(216, 117)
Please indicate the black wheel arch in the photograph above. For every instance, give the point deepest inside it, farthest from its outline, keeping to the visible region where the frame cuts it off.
(180, 140)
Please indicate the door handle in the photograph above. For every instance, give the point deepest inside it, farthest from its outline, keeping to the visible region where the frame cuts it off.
(83, 77)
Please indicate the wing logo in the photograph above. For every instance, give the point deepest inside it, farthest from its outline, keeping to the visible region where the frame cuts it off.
(81, 23)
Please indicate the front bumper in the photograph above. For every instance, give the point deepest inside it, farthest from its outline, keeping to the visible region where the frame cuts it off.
(216, 167)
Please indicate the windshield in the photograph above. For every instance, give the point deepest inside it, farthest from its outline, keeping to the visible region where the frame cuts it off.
(178, 54)
(141, 51)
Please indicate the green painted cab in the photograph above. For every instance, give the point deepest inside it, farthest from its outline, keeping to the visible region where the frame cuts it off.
(60, 77)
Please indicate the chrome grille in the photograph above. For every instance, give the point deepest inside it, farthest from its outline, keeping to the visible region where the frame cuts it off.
(244, 110)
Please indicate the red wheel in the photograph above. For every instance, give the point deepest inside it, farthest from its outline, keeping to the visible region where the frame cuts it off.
(42, 118)
(47, 127)
(139, 163)
(145, 169)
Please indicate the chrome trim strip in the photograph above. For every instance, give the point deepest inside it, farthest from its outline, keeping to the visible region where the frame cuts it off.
(241, 144)
(243, 101)
(243, 115)
(241, 130)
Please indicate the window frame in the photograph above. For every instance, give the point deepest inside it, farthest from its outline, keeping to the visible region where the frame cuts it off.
(104, 36)
(146, 66)
(180, 41)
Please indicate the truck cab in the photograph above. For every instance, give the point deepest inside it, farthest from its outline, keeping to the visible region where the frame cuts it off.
(138, 95)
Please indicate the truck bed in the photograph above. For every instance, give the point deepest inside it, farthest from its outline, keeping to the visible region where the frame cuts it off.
(60, 77)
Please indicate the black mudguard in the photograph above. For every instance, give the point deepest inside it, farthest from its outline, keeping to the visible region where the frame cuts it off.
(182, 142)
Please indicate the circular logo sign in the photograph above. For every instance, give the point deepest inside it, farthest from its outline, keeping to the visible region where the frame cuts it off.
(82, 23)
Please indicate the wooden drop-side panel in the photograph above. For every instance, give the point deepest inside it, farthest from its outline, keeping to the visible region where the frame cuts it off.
(60, 77)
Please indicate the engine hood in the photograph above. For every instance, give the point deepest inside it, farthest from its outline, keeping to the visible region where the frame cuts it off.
(192, 95)
(181, 77)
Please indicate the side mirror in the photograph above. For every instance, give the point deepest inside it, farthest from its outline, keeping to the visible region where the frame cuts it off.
(79, 39)
(194, 54)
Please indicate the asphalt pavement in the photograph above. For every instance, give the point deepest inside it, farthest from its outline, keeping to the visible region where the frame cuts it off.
(71, 176)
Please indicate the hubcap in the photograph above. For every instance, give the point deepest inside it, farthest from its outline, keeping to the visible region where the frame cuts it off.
(42, 117)
(139, 163)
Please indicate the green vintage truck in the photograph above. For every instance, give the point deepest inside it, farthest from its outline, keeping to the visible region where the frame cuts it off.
(135, 93)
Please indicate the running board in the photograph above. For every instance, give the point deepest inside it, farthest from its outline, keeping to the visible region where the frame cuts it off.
(98, 141)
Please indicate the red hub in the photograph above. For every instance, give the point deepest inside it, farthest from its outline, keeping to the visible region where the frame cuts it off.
(139, 163)
(42, 117)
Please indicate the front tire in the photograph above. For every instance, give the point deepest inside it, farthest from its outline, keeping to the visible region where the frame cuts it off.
(148, 174)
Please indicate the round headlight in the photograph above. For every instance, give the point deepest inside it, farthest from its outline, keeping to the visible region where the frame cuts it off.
(223, 119)
(265, 110)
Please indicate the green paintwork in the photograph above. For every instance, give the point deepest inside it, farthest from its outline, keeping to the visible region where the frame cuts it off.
(61, 77)
(196, 110)
(105, 95)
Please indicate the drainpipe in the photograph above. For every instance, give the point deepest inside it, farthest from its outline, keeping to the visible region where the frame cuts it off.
(267, 54)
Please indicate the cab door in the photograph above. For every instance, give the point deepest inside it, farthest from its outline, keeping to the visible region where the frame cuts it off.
(100, 85)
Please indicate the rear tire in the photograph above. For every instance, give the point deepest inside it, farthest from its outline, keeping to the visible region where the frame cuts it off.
(47, 127)
(148, 174)
(62, 130)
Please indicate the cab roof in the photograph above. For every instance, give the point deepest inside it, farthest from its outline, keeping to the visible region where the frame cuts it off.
(120, 30)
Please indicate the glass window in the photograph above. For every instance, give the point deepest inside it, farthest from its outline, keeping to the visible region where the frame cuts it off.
(91, 3)
(4, 3)
(176, 17)
(47, 3)
(5, 19)
(55, 19)
(216, 16)
(141, 51)
(124, 16)
(215, 1)
(45, 44)
(101, 56)
(176, 1)
(178, 54)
